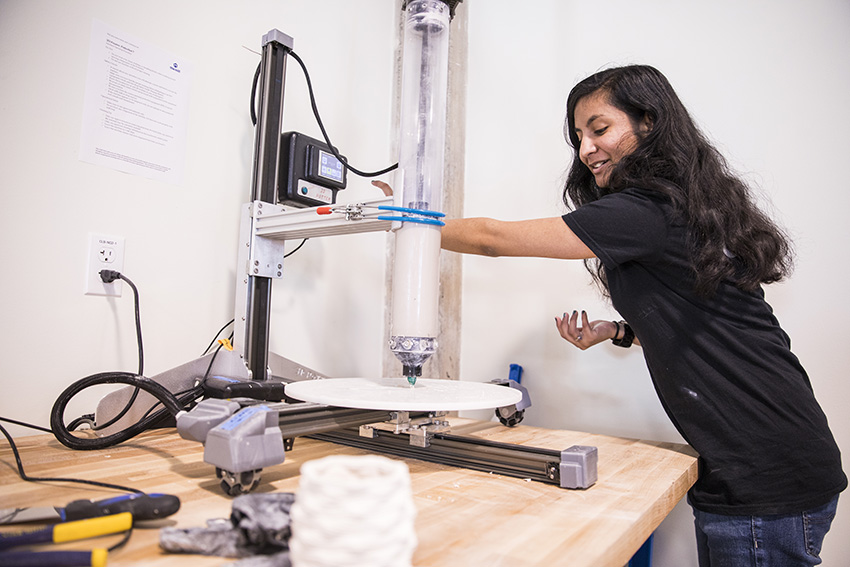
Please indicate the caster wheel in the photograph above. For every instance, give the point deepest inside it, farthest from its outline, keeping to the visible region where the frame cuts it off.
(511, 420)
(234, 484)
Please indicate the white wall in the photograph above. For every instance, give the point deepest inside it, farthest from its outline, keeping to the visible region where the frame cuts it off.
(767, 79)
(180, 240)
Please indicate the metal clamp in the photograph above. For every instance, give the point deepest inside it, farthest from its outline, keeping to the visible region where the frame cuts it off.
(420, 429)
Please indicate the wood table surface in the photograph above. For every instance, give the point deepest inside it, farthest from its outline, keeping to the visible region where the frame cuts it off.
(464, 517)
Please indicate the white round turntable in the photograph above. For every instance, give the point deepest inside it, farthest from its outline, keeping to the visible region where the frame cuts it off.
(396, 394)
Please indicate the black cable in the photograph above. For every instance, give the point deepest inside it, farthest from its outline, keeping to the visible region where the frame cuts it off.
(90, 417)
(87, 419)
(24, 424)
(215, 338)
(254, 93)
(322, 126)
(184, 397)
(138, 318)
(109, 276)
(60, 431)
(297, 248)
(209, 366)
(28, 478)
(123, 541)
(316, 115)
(212, 360)
(172, 404)
(206, 375)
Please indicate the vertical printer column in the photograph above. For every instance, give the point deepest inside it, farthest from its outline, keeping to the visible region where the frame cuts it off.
(255, 327)
(419, 181)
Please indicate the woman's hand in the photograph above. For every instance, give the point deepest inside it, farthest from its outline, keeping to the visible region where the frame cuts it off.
(388, 191)
(588, 334)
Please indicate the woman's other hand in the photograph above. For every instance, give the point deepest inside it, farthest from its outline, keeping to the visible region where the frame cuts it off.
(588, 334)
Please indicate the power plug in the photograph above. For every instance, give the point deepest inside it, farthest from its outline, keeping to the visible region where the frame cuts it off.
(105, 253)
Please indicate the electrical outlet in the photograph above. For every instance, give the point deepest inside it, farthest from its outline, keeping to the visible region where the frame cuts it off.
(105, 253)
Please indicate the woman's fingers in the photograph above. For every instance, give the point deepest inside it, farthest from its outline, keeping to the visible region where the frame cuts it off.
(388, 191)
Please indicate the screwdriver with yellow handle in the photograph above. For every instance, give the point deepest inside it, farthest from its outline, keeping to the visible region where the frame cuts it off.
(68, 531)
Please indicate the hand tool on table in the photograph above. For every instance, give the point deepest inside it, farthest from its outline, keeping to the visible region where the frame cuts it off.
(141, 506)
(68, 531)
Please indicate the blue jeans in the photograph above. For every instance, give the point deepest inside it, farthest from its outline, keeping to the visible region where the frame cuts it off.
(763, 541)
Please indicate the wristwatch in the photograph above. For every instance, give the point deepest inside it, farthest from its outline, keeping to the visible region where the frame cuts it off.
(628, 335)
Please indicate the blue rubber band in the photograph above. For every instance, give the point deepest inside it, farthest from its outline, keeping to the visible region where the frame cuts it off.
(434, 222)
(423, 212)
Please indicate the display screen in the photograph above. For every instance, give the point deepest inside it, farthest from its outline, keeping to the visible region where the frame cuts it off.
(330, 167)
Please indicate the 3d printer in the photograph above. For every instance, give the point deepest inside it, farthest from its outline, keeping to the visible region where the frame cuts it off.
(247, 421)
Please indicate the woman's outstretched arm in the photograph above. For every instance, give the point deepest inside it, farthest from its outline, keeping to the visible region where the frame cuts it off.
(541, 238)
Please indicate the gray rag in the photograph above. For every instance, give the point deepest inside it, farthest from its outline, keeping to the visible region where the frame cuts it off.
(258, 526)
(277, 560)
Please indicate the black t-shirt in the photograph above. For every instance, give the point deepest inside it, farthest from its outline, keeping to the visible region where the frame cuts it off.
(723, 367)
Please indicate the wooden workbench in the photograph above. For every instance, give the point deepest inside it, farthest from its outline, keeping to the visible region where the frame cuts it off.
(464, 517)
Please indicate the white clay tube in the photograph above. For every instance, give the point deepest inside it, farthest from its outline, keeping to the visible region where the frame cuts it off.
(416, 272)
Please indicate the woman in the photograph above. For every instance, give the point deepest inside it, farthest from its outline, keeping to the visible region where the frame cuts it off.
(674, 239)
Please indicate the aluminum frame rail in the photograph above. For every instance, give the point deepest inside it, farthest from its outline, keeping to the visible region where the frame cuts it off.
(467, 452)
(305, 419)
(253, 331)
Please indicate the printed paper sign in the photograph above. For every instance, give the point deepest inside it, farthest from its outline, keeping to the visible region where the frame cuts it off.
(136, 106)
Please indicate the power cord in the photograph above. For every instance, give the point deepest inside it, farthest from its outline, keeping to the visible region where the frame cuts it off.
(25, 477)
(28, 478)
(172, 404)
(109, 276)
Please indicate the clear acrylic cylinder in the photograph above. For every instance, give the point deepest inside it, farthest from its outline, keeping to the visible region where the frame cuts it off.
(416, 271)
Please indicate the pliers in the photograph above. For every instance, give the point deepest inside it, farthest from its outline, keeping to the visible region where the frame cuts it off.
(67, 531)
(141, 506)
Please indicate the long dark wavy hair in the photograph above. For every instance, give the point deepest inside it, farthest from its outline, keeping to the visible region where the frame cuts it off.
(729, 238)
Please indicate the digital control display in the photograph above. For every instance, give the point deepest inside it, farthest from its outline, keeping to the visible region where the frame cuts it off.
(330, 167)
(310, 173)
